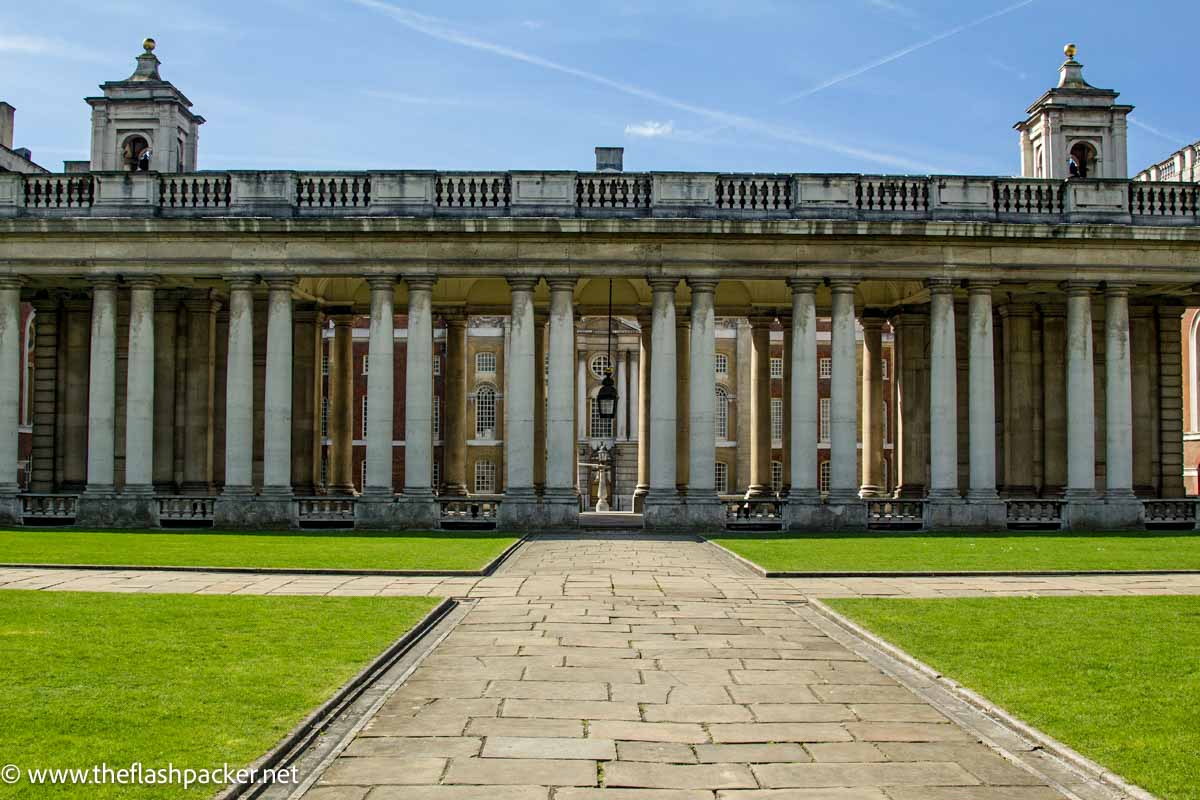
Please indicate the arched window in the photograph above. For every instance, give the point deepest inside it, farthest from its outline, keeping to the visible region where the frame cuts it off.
(27, 371)
(721, 414)
(485, 412)
(600, 365)
(485, 362)
(722, 478)
(135, 154)
(824, 476)
(485, 477)
(1083, 159)
(776, 476)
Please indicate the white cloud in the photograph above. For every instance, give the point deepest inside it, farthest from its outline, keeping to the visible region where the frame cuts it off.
(24, 44)
(649, 129)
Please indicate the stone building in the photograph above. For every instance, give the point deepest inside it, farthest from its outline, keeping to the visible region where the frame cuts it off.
(405, 349)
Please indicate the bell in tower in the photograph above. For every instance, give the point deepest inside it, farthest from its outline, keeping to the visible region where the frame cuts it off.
(143, 123)
(1074, 130)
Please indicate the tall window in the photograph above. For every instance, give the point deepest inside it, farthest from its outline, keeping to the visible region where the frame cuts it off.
(825, 368)
(364, 417)
(27, 357)
(883, 368)
(886, 487)
(885, 422)
(437, 365)
(437, 419)
(777, 419)
(485, 412)
(325, 363)
(722, 478)
(325, 416)
(324, 469)
(823, 423)
(722, 364)
(824, 476)
(776, 476)
(600, 365)
(362, 475)
(599, 428)
(776, 367)
(437, 475)
(364, 371)
(485, 477)
(722, 414)
(485, 363)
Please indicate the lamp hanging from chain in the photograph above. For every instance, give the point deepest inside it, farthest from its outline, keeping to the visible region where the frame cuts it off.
(606, 398)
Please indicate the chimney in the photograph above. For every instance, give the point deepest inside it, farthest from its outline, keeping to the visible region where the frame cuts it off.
(610, 159)
(6, 124)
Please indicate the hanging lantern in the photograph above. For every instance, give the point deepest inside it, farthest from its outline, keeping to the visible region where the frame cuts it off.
(606, 398)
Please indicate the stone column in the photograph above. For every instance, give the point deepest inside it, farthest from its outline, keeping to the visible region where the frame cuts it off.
(561, 495)
(239, 394)
(643, 427)
(1018, 399)
(911, 328)
(418, 391)
(1170, 401)
(277, 395)
(843, 390)
(1054, 400)
(541, 367)
(1081, 401)
(943, 381)
(196, 403)
(622, 431)
(760, 407)
(102, 388)
(872, 410)
(785, 488)
(661, 504)
(306, 398)
(454, 426)
(519, 509)
(140, 380)
(981, 418)
(10, 369)
(804, 405)
(683, 327)
(703, 510)
(341, 405)
(1118, 393)
(381, 389)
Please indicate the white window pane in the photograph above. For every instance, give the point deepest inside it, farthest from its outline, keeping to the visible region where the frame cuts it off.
(825, 367)
(722, 364)
(437, 418)
(776, 367)
(722, 478)
(485, 412)
(823, 422)
(600, 365)
(776, 418)
(364, 367)
(364, 417)
(485, 362)
(722, 415)
(485, 477)
(776, 476)
(824, 476)
(598, 428)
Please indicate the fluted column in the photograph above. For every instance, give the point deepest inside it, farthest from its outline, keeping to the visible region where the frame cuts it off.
(454, 426)
(277, 395)
(843, 396)
(663, 387)
(560, 393)
(519, 369)
(981, 364)
(1118, 393)
(702, 392)
(872, 410)
(341, 406)
(418, 390)
(803, 440)
(10, 369)
(239, 389)
(943, 392)
(381, 386)
(760, 407)
(1081, 403)
(139, 392)
(645, 356)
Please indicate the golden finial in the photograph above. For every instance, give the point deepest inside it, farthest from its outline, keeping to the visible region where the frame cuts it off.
(148, 45)
(1069, 51)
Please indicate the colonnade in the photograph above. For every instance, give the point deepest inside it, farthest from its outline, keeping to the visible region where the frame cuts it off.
(660, 409)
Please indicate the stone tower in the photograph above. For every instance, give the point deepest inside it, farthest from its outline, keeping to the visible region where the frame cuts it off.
(143, 122)
(1074, 130)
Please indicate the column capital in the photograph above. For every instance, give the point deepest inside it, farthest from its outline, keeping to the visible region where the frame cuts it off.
(1016, 310)
(1117, 288)
(842, 285)
(521, 283)
(144, 282)
(453, 317)
(981, 285)
(803, 284)
(562, 283)
(102, 281)
(1078, 288)
(277, 282)
(941, 285)
(201, 301)
(237, 283)
(758, 321)
(662, 284)
(702, 285)
(871, 322)
(1052, 309)
(419, 283)
(11, 281)
(1171, 312)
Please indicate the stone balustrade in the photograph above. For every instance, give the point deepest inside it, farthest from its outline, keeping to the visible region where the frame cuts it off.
(901, 514)
(185, 510)
(570, 194)
(479, 512)
(47, 508)
(325, 512)
(1179, 513)
(1035, 513)
(758, 513)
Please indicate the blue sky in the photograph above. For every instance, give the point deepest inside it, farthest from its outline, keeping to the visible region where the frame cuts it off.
(876, 86)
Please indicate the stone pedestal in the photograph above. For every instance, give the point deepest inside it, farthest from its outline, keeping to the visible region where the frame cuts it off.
(248, 511)
(520, 511)
(704, 513)
(662, 511)
(970, 514)
(103, 510)
(1101, 514)
(376, 512)
(560, 508)
(10, 510)
(417, 511)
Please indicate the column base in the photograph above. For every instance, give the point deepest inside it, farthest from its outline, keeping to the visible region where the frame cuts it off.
(560, 508)
(639, 499)
(97, 510)
(870, 491)
(1103, 514)
(240, 510)
(377, 511)
(809, 514)
(520, 511)
(983, 513)
(662, 511)
(756, 490)
(704, 512)
(10, 510)
(418, 511)
(842, 496)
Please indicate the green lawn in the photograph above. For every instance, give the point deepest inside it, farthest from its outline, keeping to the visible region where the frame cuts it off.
(190, 680)
(1116, 678)
(954, 552)
(466, 550)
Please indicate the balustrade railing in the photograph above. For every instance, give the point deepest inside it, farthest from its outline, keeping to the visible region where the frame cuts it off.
(1034, 512)
(603, 190)
(325, 511)
(320, 190)
(192, 509)
(473, 191)
(758, 512)
(202, 190)
(1177, 200)
(754, 192)
(886, 193)
(49, 507)
(895, 513)
(1024, 196)
(1169, 512)
(469, 509)
(59, 191)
